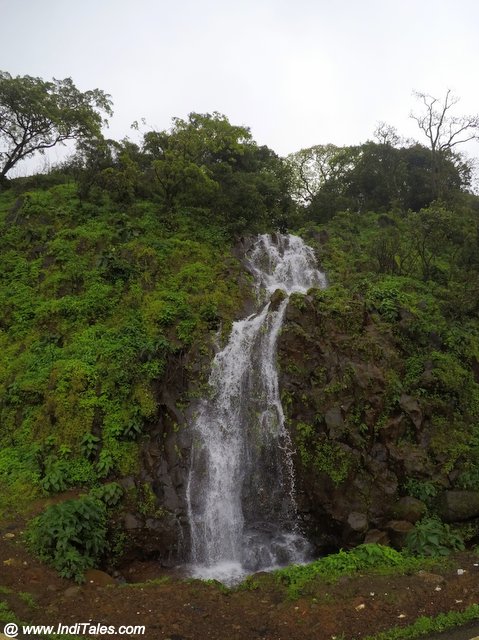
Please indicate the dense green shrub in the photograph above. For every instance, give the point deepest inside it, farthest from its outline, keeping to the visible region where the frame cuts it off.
(71, 536)
(431, 537)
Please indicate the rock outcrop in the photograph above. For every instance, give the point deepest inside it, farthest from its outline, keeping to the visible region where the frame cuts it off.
(359, 439)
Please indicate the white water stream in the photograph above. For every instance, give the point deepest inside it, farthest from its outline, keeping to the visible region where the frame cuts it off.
(241, 494)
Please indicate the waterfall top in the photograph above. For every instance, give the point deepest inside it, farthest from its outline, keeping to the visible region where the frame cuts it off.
(284, 262)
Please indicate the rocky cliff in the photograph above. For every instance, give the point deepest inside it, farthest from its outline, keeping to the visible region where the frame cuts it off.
(363, 445)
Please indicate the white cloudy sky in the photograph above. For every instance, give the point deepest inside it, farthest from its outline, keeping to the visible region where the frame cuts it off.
(297, 72)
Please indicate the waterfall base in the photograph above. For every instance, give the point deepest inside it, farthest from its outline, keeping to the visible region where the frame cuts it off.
(260, 553)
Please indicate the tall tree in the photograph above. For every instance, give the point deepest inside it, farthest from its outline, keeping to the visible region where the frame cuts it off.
(310, 169)
(36, 115)
(444, 131)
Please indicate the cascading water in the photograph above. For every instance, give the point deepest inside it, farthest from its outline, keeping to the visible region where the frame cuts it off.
(241, 494)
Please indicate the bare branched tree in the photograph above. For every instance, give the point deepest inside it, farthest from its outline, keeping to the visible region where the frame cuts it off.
(443, 130)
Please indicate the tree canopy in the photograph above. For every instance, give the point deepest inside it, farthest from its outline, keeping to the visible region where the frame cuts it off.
(36, 115)
(203, 164)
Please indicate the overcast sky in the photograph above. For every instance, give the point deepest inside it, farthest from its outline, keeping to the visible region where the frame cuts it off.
(297, 72)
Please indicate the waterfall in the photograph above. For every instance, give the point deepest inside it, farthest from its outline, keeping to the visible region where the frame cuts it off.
(240, 493)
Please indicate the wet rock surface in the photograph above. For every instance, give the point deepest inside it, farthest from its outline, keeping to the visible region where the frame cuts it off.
(359, 443)
(456, 506)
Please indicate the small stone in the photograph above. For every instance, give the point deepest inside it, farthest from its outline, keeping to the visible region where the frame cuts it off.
(402, 615)
(10, 562)
(131, 522)
(438, 589)
(9, 536)
(461, 572)
(358, 521)
(277, 298)
(430, 578)
(360, 607)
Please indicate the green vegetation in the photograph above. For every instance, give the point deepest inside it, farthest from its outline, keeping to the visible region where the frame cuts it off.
(322, 454)
(299, 579)
(426, 625)
(88, 328)
(410, 278)
(6, 615)
(431, 537)
(71, 536)
(36, 115)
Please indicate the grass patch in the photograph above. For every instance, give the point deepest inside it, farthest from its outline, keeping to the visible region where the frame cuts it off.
(366, 557)
(426, 625)
(149, 583)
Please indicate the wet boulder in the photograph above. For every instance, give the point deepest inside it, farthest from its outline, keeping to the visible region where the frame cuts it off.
(398, 531)
(409, 509)
(457, 506)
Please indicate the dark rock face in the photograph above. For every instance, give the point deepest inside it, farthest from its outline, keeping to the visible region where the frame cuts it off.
(357, 442)
(277, 298)
(156, 522)
(454, 506)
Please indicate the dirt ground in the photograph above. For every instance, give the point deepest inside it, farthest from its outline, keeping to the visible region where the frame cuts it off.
(191, 610)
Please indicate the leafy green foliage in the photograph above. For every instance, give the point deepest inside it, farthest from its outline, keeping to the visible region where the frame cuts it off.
(424, 490)
(404, 276)
(431, 537)
(320, 454)
(105, 464)
(110, 493)
(6, 615)
(36, 115)
(370, 177)
(89, 445)
(71, 535)
(89, 327)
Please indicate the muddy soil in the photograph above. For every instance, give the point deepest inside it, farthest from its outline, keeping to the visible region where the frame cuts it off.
(170, 607)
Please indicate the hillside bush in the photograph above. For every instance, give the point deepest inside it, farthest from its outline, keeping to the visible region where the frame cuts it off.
(71, 536)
